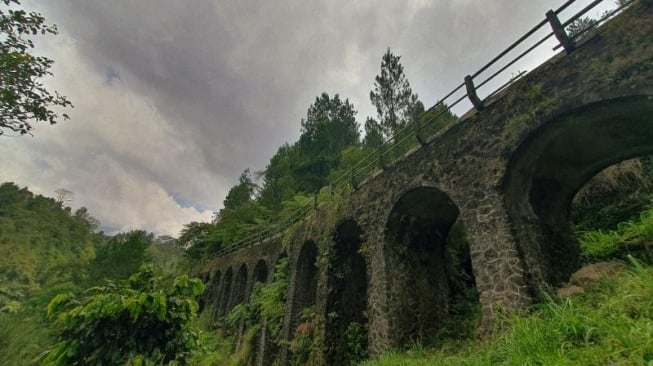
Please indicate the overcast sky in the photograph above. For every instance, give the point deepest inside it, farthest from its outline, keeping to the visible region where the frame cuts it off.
(174, 99)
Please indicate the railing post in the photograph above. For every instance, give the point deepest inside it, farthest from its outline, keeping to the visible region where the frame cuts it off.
(471, 94)
(418, 132)
(560, 32)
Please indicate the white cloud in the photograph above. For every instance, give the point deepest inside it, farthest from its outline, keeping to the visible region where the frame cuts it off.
(174, 101)
(116, 153)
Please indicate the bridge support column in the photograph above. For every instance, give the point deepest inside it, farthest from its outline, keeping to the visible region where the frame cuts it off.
(378, 294)
(498, 268)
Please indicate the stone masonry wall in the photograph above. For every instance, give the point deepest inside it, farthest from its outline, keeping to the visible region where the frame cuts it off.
(474, 163)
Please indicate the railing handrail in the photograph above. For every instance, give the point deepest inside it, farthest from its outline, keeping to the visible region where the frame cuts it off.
(393, 142)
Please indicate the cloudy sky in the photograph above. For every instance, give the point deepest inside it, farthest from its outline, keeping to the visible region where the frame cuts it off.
(174, 99)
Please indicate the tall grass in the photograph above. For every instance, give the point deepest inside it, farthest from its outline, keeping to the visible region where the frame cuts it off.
(629, 237)
(612, 325)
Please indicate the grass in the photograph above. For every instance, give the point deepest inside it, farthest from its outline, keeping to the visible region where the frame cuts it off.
(635, 236)
(612, 325)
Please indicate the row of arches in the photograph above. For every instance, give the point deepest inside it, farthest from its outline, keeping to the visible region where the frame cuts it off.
(429, 267)
(230, 289)
(428, 270)
(428, 263)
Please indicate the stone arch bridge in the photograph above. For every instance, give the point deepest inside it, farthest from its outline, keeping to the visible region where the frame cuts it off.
(502, 177)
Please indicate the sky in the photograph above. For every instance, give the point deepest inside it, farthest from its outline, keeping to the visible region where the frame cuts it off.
(173, 100)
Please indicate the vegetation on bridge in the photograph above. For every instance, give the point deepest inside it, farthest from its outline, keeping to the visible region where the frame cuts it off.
(50, 255)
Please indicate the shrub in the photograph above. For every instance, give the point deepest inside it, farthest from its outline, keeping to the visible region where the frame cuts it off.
(135, 322)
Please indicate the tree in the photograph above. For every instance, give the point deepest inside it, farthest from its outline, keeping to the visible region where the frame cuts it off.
(64, 195)
(373, 133)
(580, 25)
(329, 127)
(392, 96)
(133, 322)
(24, 100)
(121, 256)
(330, 123)
(241, 193)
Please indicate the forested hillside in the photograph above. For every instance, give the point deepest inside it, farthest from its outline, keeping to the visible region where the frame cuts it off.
(47, 249)
(42, 244)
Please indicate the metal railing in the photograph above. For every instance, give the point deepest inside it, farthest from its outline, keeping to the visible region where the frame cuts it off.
(375, 161)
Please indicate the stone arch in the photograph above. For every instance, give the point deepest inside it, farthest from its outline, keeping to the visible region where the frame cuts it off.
(420, 272)
(225, 292)
(213, 299)
(305, 284)
(554, 162)
(261, 272)
(268, 350)
(347, 296)
(206, 297)
(239, 288)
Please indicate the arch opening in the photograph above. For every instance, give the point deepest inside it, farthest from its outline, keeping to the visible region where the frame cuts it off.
(260, 272)
(552, 164)
(428, 265)
(270, 341)
(304, 295)
(346, 324)
(213, 299)
(206, 298)
(226, 292)
(240, 287)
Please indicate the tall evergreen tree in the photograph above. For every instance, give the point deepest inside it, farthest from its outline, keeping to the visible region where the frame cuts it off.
(330, 127)
(392, 96)
(241, 193)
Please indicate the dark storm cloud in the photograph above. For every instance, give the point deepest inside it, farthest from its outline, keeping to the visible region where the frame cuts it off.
(237, 76)
(191, 93)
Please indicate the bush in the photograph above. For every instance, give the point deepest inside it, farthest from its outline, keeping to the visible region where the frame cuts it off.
(136, 322)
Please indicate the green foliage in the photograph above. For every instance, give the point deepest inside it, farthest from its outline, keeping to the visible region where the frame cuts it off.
(228, 227)
(120, 256)
(23, 97)
(302, 345)
(266, 306)
(294, 174)
(136, 321)
(632, 236)
(617, 194)
(240, 194)
(356, 337)
(199, 239)
(304, 167)
(41, 244)
(613, 326)
(598, 216)
(268, 301)
(395, 103)
(350, 157)
(167, 258)
(579, 26)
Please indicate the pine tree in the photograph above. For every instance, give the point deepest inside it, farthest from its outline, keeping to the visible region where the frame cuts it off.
(392, 96)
